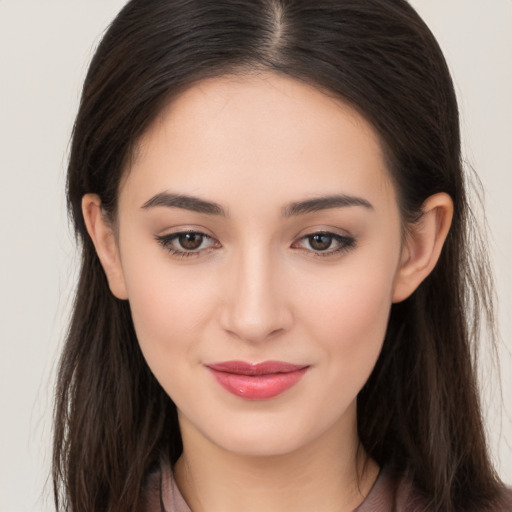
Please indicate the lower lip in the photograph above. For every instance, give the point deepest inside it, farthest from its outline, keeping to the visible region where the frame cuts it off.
(258, 387)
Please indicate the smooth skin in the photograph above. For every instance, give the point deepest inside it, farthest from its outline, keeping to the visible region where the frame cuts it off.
(258, 222)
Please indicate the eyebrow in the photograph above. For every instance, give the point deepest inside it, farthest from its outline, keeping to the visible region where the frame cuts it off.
(169, 200)
(194, 204)
(324, 203)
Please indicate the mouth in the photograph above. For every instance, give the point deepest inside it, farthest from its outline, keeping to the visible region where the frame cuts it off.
(257, 381)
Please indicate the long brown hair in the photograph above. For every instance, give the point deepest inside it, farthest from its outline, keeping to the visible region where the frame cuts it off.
(419, 412)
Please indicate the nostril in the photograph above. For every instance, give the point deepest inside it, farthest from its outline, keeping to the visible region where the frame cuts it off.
(255, 329)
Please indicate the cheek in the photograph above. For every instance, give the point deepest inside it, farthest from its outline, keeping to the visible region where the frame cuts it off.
(359, 313)
(168, 308)
(349, 320)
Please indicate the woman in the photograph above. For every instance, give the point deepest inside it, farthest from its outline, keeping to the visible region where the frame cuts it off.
(277, 299)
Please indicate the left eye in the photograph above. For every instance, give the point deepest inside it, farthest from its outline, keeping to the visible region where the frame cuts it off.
(186, 243)
(325, 242)
(320, 241)
(190, 241)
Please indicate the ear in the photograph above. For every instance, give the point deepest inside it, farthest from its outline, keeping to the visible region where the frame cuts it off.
(423, 244)
(104, 240)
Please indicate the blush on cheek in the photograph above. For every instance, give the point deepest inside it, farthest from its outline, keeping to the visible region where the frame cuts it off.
(167, 311)
(352, 325)
(352, 312)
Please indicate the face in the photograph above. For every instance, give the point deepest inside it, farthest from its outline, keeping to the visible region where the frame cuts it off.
(259, 241)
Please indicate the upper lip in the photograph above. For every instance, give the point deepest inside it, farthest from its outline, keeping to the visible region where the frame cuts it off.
(255, 369)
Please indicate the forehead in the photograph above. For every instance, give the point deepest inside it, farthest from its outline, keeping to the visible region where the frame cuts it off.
(241, 134)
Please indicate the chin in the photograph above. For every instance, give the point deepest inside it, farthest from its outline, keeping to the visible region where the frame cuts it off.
(263, 437)
(266, 445)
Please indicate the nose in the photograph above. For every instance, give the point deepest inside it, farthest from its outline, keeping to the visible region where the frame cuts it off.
(257, 306)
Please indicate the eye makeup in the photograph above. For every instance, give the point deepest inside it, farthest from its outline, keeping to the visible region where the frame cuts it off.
(325, 243)
(190, 243)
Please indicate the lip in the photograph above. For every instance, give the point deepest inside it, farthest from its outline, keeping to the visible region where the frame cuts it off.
(257, 381)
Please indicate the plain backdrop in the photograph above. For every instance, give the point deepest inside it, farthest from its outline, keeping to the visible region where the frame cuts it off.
(45, 46)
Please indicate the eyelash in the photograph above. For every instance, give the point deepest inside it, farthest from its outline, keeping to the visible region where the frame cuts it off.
(166, 241)
(345, 243)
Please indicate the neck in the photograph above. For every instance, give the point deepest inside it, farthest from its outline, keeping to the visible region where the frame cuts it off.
(329, 474)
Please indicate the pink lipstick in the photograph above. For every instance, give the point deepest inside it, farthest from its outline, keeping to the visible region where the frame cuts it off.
(259, 381)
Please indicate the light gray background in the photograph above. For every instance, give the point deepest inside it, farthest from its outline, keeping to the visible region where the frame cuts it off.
(45, 46)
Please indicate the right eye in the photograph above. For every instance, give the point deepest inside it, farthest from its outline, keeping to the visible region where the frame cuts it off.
(187, 243)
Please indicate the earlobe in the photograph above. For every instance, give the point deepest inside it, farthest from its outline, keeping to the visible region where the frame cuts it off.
(105, 243)
(423, 245)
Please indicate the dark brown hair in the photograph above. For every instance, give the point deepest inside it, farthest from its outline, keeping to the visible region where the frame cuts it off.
(419, 412)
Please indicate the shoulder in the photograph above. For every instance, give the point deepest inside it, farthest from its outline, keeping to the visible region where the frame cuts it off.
(151, 491)
(392, 493)
(396, 493)
(160, 492)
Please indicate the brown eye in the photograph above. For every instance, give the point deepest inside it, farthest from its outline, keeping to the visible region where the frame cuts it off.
(320, 241)
(187, 243)
(325, 243)
(190, 241)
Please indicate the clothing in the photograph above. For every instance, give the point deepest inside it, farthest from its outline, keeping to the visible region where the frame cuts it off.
(388, 494)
